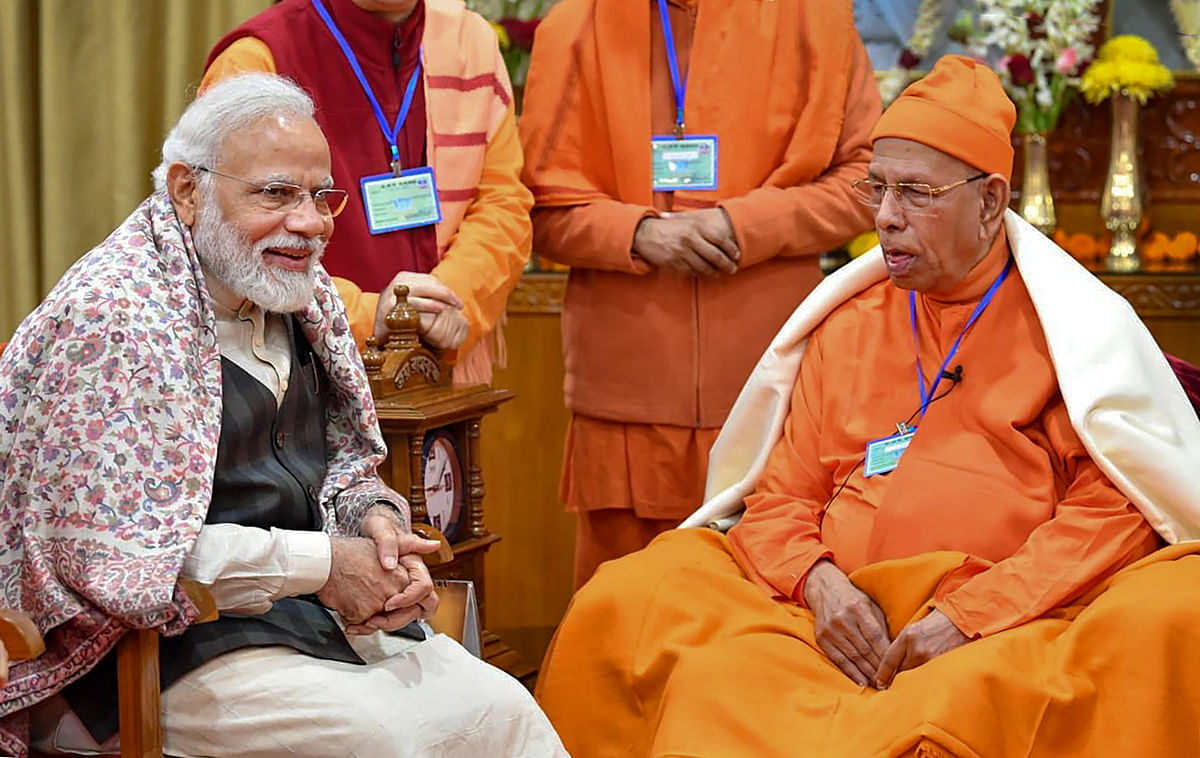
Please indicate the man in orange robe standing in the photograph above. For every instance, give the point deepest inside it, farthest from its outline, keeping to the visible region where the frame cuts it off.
(689, 160)
(954, 460)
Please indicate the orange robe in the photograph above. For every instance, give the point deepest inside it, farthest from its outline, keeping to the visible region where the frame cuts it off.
(653, 384)
(995, 470)
(995, 515)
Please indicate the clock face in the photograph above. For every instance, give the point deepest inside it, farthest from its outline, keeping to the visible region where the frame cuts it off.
(445, 492)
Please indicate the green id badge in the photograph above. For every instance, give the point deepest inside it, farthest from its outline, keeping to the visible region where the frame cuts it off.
(684, 163)
(883, 455)
(401, 202)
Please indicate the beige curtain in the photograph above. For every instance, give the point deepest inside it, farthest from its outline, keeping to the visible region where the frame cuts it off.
(88, 90)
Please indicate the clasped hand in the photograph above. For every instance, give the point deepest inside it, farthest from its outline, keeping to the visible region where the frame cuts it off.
(696, 243)
(379, 581)
(852, 631)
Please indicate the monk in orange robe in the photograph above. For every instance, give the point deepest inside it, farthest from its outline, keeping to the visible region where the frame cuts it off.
(674, 294)
(935, 566)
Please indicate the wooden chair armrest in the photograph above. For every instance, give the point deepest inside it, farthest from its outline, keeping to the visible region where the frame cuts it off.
(444, 554)
(20, 635)
(201, 598)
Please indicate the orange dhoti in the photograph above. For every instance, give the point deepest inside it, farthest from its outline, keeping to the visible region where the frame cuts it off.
(674, 652)
(629, 483)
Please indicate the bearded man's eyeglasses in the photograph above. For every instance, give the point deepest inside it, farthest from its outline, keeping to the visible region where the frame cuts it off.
(282, 197)
(912, 196)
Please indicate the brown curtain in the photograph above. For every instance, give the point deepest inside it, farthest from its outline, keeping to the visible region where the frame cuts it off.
(88, 90)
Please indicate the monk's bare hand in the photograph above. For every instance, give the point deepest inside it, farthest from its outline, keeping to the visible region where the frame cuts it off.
(446, 330)
(358, 586)
(850, 628)
(426, 294)
(917, 643)
(697, 243)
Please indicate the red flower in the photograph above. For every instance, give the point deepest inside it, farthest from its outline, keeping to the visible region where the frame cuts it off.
(1020, 70)
(909, 59)
(1036, 29)
(520, 32)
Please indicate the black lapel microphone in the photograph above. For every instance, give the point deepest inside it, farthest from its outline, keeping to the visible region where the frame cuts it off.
(956, 376)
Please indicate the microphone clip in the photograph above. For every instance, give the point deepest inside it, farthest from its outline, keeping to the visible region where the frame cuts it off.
(955, 376)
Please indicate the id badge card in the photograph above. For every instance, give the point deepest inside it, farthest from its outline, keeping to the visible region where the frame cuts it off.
(401, 202)
(684, 163)
(883, 455)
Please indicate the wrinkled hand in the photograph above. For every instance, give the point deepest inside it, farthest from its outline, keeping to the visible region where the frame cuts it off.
(359, 586)
(398, 550)
(850, 628)
(426, 294)
(697, 243)
(446, 330)
(918, 643)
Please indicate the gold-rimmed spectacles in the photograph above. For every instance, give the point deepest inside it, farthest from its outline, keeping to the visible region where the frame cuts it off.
(284, 197)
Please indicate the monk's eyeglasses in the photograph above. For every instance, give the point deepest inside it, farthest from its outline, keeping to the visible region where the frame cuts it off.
(912, 196)
(282, 197)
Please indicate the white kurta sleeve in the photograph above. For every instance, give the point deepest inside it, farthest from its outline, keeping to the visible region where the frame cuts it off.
(247, 568)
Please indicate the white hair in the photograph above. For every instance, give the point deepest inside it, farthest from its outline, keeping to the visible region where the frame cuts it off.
(221, 110)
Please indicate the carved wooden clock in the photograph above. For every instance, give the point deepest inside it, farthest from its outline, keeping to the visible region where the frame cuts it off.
(432, 432)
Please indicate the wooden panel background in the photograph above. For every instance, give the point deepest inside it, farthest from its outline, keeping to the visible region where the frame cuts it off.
(529, 571)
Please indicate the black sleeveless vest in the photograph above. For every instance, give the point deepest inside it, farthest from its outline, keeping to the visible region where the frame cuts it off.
(269, 470)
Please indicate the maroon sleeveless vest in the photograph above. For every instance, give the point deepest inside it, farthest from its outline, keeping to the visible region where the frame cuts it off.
(305, 51)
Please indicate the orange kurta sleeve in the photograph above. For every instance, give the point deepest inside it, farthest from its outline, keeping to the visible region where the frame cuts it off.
(779, 537)
(245, 55)
(598, 235)
(493, 242)
(1094, 532)
(823, 214)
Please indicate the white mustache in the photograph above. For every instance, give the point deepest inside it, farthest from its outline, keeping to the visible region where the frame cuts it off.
(314, 246)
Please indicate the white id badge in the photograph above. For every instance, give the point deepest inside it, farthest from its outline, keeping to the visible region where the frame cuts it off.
(684, 163)
(883, 455)
(401, 202)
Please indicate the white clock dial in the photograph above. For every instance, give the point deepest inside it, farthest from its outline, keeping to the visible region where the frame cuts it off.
(441, 493)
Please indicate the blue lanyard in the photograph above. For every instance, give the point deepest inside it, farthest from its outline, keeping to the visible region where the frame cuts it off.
(391, 133)
(926, 399)
(680, 85)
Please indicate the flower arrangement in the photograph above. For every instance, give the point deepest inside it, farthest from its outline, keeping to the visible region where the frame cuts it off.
(1126, 65)
(515, 22)
(894, 80)
(1044, 46)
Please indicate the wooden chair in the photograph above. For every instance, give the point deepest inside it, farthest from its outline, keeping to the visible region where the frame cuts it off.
(139, 699)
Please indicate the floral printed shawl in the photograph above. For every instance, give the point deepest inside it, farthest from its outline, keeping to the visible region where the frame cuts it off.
(110, 413)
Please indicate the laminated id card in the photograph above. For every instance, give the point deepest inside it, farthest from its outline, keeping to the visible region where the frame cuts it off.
(883, 455)
(401, 202)
(684, 163)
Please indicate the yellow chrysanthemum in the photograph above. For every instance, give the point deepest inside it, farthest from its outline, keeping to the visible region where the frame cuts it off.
(862, 243)
(1128, 47)
(1126, 65)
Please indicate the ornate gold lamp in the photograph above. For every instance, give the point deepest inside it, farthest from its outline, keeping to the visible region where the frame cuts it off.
(1128, 71)
(1037, 203)
(1123, 202)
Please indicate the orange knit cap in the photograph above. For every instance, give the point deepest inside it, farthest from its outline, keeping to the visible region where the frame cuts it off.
(959, 108)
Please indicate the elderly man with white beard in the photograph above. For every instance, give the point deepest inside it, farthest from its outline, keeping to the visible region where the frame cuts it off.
(188, 403)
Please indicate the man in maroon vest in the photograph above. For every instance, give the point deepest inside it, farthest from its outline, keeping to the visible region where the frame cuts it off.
(408, 90)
